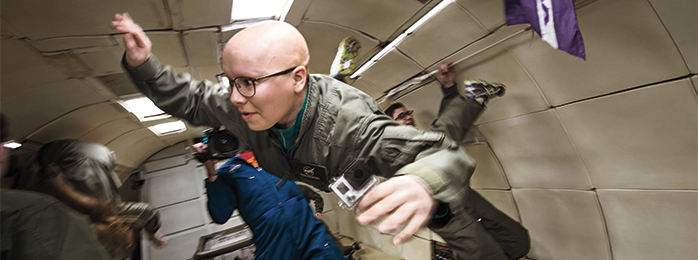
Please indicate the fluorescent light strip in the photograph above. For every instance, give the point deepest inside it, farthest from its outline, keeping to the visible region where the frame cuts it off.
(168, 128)
(402, 36)
(257, 9)
(12, 144)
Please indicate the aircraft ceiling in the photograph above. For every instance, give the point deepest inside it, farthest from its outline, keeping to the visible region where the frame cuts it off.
(629, 109)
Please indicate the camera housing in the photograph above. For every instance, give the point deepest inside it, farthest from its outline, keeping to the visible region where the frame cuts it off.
(353, 183)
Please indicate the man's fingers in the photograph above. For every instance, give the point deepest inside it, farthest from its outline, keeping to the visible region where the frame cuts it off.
(401, 215)
(417, 221)
(376, 194)
(381, 208)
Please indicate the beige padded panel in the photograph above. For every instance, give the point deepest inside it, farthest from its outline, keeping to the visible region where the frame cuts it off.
(498, 65)
(79, 122)
(79, 17)
(152, 166)
(389, 248)
(367, 88)
(563, 224)
(391, 70)
(644, 138)
(203, 46)
(40, 105)
(188, 14)
(441, 35)
(297, 11)
(425, 102)
(503, 201)
(416, 249)
(651, 224)
(536, 152)
(680, 17)
(182, 216)
(175, 150)
(21, 67)
(178, 184)
(169, 48)
(102, 60)
(378, 19)
(65, 43)
(324, 38)
(488, 13)
(132, 147)
(208, 72)
(181, 246)
(109, 131)
(626, 46)
(488, 173)
(694, 80)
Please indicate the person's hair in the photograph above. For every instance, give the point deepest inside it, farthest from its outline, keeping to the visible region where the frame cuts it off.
(389, 111)
(113, 231)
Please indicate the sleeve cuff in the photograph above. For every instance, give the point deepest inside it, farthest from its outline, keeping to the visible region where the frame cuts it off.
(145, 71)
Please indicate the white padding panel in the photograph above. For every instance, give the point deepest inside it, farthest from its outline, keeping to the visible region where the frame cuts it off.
(503, 201)
(177, 149)
(651, 224)
(176, 186)
(182, 216)
(563, 224)
(536, 152)
(181, 246)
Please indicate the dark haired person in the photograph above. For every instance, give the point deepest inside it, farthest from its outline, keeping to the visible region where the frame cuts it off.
(509, 235)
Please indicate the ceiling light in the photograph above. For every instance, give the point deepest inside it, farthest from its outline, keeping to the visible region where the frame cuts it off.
(401, 37)
(259, 9)
(144, 109)
(12, 144)
(168, 128)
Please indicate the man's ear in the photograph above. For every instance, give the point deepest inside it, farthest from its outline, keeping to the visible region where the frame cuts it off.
(300, 77)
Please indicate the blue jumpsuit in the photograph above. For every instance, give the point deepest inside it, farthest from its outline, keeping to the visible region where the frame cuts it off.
(281, 220)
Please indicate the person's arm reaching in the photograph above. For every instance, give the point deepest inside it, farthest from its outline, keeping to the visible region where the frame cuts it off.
(456, 113)
(199, 102)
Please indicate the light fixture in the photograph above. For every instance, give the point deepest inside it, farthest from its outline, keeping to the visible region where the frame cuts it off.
(12, 144)
(168, 128)
(259, 9)
(144, 109)
(401, 37)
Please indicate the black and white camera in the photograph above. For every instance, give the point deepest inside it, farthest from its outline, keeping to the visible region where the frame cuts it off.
(221, 145)
(354, 182)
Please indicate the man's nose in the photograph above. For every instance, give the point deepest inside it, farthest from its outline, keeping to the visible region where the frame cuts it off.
(236, 98)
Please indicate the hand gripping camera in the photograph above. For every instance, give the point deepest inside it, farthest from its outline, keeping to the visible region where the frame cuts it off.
(221, 145)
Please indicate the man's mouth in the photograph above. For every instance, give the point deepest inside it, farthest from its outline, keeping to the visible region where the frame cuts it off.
(246, 116)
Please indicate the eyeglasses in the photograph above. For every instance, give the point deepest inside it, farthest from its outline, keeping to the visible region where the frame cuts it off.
(246, 86)
(404, 115)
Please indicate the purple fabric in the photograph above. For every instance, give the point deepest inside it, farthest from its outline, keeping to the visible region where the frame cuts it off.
(569, 38)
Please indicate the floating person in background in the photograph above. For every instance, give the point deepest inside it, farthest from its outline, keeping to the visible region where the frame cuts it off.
(280, 218)
(500, 230)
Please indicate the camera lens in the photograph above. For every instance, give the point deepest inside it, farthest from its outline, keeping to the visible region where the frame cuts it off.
(358, 174)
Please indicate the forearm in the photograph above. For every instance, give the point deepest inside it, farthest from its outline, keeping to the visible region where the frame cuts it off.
(211, 170)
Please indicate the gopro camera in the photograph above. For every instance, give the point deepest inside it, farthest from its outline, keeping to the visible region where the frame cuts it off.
(354, 182)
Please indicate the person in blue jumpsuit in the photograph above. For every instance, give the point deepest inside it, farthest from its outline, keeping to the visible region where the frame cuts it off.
(282, 222)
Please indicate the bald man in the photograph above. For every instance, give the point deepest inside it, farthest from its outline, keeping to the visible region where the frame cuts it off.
(311, 127)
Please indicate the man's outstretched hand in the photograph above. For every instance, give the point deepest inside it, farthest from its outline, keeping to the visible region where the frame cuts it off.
(138, 44)
(405, 198)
